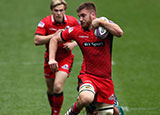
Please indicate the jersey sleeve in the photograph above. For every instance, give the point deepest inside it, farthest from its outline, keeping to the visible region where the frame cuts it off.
(73, 21)
(77, 22)
(41, 28)
(68, 34)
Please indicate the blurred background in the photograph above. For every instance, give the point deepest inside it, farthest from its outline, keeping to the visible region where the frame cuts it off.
(136, 56)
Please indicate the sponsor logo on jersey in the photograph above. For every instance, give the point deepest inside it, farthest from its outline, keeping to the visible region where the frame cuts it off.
(81, 36)
(65, 66)
(94, 44)
(41, 24)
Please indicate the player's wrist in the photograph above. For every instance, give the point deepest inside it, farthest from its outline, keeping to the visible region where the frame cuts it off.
(51, 61)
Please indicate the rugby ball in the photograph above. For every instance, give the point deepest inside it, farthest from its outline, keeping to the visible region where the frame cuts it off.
(100, 32)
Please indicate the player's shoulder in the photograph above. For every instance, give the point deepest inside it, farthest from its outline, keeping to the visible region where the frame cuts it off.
(47, 18)
(70, 17)
(77, 28)
(73, 30)
(45, 21)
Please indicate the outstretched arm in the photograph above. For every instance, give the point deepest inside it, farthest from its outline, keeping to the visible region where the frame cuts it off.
(113, 28)
(53, 44)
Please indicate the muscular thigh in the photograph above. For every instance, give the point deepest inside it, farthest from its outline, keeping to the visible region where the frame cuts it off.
(61, 76)
(103, 87)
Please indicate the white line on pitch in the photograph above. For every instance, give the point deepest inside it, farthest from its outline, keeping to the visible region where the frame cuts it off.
(126, 108)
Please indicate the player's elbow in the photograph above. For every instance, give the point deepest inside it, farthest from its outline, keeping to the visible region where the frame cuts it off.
(54, 40)
(37, 41)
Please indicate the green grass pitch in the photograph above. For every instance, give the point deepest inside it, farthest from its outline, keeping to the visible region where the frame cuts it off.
(136, 56)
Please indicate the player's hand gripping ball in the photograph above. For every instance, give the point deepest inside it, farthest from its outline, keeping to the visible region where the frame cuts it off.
(101, 32)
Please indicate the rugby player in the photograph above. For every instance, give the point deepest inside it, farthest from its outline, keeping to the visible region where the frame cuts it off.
(96, 83)
(64, 57)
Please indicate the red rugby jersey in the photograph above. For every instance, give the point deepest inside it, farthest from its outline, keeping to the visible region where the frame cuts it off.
(96, 52)
(48, 26)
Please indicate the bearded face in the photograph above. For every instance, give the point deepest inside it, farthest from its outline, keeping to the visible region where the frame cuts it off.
(85, 18)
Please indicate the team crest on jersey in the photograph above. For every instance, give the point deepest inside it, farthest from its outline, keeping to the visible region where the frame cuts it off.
(41, 24)
(70, 30)
(65, 66)
(111, 97)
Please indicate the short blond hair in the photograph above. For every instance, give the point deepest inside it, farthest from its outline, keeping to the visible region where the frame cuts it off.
(55, 3)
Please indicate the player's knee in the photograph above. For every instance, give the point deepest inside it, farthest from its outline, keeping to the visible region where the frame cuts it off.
(85, 99)
(58, 88)
(86, 94)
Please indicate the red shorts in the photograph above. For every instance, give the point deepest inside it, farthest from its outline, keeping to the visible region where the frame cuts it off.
(64, 65)
(104, 88)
